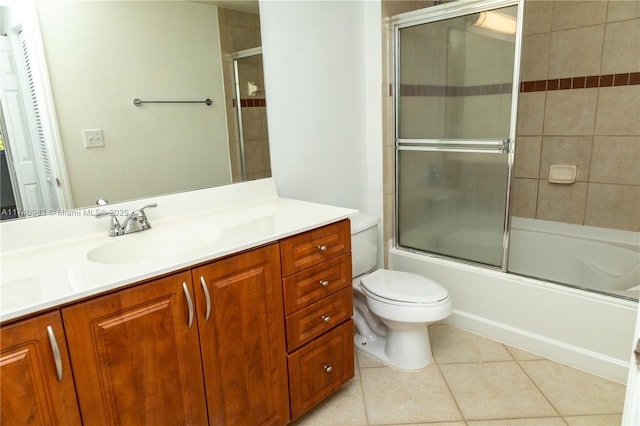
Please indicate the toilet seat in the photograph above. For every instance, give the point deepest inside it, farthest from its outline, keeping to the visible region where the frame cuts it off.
(403, 288)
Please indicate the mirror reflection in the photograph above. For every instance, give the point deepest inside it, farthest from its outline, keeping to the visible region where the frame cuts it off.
(71, 132)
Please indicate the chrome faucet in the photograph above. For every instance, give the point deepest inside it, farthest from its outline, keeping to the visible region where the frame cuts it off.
(136, 221)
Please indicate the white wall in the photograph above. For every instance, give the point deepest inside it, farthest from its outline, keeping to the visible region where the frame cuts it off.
(323, 77)
(102, 55)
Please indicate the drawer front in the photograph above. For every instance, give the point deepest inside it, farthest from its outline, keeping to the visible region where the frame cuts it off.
(320, 367)
(312, 321)
(314, 247)
(317, 282)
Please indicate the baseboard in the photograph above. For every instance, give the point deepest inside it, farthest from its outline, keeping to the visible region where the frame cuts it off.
(555, 350)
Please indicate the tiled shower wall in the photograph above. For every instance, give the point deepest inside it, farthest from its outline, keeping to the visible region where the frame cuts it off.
(595, 126)
(584, 58)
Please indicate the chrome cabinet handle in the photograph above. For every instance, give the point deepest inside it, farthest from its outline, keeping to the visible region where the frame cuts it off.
(57, 358)
(189, 303)
(324, 283)
(322, 248)
(326, 318)
(328, 368)
(207, 298)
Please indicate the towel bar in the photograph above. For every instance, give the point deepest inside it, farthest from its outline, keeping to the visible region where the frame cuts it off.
(138, 102)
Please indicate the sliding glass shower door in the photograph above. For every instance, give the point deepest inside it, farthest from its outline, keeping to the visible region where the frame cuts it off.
(456, 92)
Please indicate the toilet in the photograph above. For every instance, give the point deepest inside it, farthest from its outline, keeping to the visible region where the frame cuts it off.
(391, 308)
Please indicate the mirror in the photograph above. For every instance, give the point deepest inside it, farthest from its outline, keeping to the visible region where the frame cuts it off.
(71, 131)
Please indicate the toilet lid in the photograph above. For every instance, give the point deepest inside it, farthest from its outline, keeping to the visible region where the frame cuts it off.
(403, 287)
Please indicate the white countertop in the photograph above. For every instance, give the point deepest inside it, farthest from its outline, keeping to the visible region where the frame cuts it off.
(45, 274)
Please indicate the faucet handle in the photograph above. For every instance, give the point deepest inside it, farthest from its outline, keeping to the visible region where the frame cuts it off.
(137, 220)
(142, 217)
(115, 228)
(148, 206)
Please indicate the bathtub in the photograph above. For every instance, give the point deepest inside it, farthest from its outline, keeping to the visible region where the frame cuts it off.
(586, 330)
(599, 259)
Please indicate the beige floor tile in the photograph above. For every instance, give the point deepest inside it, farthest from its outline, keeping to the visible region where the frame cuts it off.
(366, 361)
(393, 396)
(430, 424)
(488, 391)
(344, 408)
(574, 392)
(604, 420)
(520, 355)
(542, 421)
(453, 345)
(495, 390)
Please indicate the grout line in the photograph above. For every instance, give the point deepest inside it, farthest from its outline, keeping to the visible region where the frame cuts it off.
(538, 387)
(455, 400)
(364, 400)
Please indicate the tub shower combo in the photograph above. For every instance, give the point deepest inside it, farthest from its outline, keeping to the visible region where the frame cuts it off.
(520, 280)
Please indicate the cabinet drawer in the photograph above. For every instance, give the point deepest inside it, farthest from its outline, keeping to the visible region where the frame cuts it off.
(311, 285)
(314, 247)
(312, 321)
(320, 367)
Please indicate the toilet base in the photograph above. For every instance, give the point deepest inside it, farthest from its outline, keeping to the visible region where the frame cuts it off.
(408, 350)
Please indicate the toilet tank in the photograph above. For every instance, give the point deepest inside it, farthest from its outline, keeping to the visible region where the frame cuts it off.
(364, 243)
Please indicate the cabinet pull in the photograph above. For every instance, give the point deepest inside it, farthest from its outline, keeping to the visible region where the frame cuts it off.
(324, 283)
(207, 297)
(322, 248)
(189, 303)
(57, 358)
(328, 368)
(326, 318)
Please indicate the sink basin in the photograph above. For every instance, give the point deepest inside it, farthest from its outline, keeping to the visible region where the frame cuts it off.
(154, 244)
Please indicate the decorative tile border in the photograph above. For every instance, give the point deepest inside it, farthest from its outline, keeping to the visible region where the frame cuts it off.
(251, 102)
(592, 81)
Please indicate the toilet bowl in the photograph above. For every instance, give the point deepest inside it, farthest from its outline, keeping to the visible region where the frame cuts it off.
(392, 309)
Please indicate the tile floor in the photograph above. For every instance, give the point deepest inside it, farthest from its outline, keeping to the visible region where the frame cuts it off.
(474, 381)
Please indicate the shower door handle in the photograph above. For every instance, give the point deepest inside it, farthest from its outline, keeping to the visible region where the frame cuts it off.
(499, 146)
(506, 146)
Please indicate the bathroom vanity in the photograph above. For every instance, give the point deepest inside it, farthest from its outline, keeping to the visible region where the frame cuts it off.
(251, 328)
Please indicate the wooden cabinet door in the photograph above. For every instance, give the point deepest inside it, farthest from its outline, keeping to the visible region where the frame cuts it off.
(242, 338)
(36, 391)
(136, 358)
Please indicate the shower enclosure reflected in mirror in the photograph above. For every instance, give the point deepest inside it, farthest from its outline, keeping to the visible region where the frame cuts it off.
(94, 68)
(251, 138)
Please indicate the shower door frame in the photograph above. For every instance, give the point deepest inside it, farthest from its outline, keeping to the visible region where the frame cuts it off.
(235, 57)
(437, 13)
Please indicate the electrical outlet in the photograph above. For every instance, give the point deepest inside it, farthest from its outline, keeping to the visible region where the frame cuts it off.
(93, 138)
